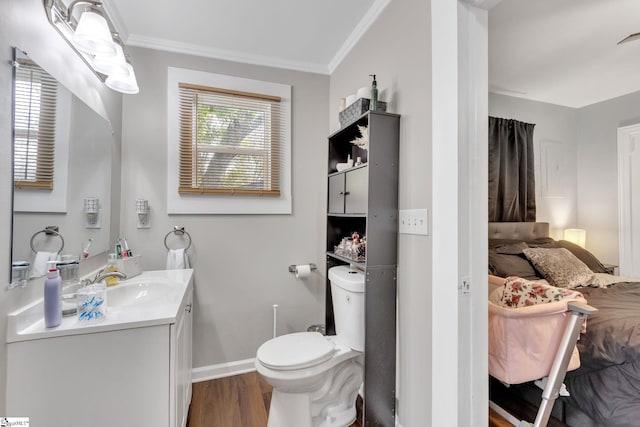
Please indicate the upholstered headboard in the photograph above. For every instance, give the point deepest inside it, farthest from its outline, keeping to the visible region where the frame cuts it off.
(518, 230)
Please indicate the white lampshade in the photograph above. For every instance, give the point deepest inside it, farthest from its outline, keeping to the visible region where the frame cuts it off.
(93, 36)
(576, 235)
(111, 64)
(125, 83)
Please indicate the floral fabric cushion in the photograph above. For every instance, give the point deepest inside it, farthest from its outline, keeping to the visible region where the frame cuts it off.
(519, 292)
(560, 267)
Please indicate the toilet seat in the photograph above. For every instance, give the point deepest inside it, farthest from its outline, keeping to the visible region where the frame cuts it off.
(296, 351)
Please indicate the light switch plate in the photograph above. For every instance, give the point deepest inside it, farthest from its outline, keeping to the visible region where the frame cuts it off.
(414, 221)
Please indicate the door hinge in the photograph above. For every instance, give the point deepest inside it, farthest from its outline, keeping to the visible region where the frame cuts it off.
(465, 286)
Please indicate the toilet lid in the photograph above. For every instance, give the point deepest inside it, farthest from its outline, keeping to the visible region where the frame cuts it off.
(295, 351)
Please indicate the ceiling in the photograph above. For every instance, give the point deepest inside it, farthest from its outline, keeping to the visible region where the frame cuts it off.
(558, 51)
(296, 34)
(564, 51)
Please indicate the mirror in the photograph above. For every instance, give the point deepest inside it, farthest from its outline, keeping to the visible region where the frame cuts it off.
(77, 198)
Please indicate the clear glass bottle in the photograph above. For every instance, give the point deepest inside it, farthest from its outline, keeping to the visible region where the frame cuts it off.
(111, 267)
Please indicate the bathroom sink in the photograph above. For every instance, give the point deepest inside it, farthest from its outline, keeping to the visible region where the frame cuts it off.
(148, 299)
(140, 293)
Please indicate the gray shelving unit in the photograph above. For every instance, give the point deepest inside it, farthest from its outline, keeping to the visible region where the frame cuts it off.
(365, 199)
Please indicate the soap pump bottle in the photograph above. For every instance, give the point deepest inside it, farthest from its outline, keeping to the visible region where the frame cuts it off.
(111, 267)
(52, 300)
(374, 94)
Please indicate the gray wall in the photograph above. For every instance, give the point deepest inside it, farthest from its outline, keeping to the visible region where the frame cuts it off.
(240, 261)
(23, 23)
(398, 49)
(598, 171)
(555, 151)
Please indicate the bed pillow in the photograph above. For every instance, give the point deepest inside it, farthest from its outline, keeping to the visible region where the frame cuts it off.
(512, 249)
(519, 292)
(560, 267)
(584, 255)
(504, 265)
(543, 242)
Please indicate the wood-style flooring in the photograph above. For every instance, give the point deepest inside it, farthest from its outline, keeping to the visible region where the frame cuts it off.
(238, 401)
(495, 420)
(243, 401)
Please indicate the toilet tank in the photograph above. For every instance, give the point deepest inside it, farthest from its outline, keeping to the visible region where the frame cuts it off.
(347, 294)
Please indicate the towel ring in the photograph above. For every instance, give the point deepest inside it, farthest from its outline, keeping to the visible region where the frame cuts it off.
(49, 231)
(179, 231)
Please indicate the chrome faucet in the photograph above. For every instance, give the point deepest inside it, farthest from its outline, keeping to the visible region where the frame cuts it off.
(101, 276)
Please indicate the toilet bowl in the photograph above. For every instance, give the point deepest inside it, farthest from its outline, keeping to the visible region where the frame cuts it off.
(316, 378)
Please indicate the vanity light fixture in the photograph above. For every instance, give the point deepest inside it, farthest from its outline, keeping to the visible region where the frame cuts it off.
(142, 211)
(92, 212)
(92, 35)
(109, 65)
(124, 82)
(93, 38)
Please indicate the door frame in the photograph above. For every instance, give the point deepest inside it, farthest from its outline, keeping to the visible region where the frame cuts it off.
(626, 147)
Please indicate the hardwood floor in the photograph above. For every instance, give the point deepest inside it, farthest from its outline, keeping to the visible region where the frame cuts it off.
(238, 401)
(243, 401)
(495, 420)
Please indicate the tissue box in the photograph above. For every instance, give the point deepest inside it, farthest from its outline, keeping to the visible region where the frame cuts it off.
(358, 108)
(131, 266)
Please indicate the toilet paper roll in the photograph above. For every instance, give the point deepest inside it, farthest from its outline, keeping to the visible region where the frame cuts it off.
(303, 271)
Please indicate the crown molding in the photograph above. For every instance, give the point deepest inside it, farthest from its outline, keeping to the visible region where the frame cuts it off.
(227, 55)
(367, 20)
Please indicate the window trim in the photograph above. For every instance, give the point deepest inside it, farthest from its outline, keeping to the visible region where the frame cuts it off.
(198, 202)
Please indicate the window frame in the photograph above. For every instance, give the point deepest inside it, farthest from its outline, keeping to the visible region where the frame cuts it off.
(226, 202)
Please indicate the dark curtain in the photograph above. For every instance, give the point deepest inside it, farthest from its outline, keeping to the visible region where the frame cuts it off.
(511, 171)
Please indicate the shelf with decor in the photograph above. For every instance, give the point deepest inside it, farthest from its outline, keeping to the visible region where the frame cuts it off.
(362, 222)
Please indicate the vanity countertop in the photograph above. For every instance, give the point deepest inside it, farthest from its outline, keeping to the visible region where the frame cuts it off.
(151, 298)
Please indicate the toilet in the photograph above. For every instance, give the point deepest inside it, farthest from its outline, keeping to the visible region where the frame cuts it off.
(316, 378)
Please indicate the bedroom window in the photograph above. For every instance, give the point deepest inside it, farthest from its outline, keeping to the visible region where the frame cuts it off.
(34, 126)
(230, 142)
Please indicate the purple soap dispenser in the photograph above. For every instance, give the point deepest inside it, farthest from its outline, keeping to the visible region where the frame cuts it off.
(52, 301)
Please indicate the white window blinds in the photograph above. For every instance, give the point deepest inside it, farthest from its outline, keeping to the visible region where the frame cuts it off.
(34, 126)
(230, 141)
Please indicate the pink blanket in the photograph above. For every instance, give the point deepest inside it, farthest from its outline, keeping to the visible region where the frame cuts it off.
(523, 342)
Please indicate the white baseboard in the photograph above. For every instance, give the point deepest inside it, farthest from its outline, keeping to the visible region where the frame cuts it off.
(221, 370)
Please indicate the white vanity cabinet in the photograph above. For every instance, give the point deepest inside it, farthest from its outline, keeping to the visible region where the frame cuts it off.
(181, 339)
(132, 376)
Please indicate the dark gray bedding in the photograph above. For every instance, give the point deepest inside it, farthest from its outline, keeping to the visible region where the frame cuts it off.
(607, 385)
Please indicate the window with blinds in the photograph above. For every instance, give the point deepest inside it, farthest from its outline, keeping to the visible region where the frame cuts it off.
(35, 98)
(230, 141)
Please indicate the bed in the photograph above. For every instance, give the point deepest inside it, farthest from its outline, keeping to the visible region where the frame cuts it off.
(605, 389)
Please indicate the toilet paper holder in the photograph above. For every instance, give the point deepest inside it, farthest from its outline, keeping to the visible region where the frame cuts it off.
(292, 268)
